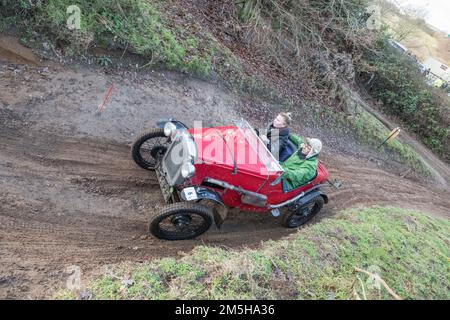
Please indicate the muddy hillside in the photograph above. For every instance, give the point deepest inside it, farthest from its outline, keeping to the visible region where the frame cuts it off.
(70, 193)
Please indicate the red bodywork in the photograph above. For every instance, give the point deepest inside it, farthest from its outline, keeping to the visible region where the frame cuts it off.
(254, 161)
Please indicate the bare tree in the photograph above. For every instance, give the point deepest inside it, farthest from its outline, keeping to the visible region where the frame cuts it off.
(406, 20)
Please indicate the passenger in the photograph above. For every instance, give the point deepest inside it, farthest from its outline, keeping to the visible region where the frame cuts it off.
(277, 137)
(301, 167)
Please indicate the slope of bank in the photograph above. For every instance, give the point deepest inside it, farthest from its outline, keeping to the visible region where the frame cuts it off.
(94, 206)
(373, 253)
(74, 196)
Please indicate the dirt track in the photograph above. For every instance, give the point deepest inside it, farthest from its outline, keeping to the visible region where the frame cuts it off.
(71, 195)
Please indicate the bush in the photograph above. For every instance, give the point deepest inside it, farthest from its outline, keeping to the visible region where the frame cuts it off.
(401, 88)
(135, 25)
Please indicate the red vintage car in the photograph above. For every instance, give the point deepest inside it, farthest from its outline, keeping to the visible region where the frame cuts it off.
(203, 172)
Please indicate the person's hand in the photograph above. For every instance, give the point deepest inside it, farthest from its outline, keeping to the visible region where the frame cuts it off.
(264, 139)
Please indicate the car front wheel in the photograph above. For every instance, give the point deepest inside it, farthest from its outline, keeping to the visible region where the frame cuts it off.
(181, 221)
(148, 146)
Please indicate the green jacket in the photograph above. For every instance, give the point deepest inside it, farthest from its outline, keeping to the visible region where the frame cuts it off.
(298, 171)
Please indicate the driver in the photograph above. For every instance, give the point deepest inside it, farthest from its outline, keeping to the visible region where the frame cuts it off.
(301, 166)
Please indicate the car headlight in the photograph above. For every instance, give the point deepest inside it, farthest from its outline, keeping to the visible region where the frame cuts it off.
(170, 129)
(187, 170)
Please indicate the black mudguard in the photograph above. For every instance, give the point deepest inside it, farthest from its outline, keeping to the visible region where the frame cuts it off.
(178, 124)
(220, 211)
(316, 192)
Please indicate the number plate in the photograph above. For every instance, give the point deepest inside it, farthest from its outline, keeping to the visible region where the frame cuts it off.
(190, 194)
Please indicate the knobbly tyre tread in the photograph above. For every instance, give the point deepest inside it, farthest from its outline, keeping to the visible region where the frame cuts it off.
(287, 215)
(171, 209)
(144, 136)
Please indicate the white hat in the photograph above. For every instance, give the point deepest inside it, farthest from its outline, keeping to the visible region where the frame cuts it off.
(316, 147)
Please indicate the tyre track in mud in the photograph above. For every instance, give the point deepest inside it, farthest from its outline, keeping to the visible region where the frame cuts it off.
(47, 226)
(70, 208)
(70, 193)
(366, 184)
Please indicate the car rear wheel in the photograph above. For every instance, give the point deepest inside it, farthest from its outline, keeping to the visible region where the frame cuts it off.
(302, 214)
(181, 221)
(148, 146)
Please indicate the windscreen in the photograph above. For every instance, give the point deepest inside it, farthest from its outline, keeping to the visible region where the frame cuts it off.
(259, 147)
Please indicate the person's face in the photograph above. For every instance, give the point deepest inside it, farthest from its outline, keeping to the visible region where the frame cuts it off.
(306, 149)
(279, 122)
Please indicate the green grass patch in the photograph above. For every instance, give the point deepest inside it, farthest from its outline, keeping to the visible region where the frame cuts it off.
(370, 130)
(408, 250)
(136, 25)
(402, 89)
